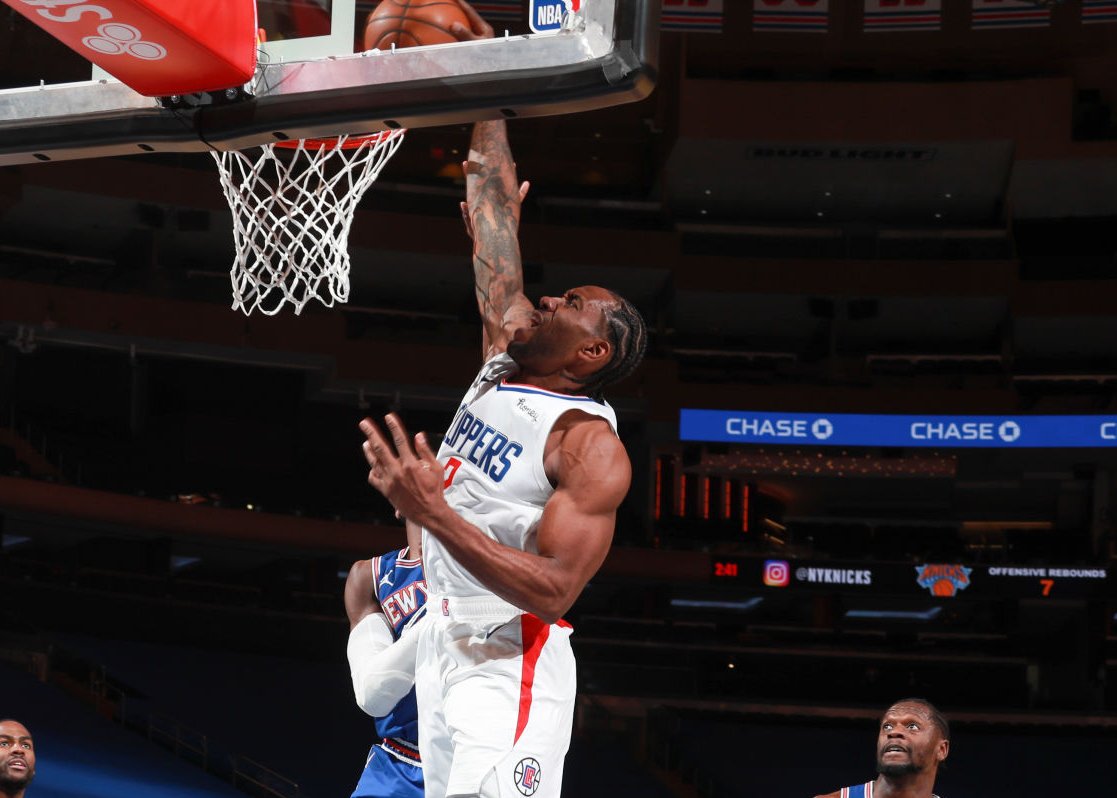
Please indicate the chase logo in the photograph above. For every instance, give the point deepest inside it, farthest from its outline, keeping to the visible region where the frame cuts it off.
(943, 580)
(547, 15)
(822, 429)
(527, 774)
(1008, 431)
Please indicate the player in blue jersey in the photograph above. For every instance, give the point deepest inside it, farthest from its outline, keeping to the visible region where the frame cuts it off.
(382, 597)
(913, 742)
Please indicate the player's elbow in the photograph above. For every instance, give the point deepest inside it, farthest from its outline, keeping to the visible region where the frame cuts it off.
(555, 603)
(372, 701)
(377, 690)
(549, 616)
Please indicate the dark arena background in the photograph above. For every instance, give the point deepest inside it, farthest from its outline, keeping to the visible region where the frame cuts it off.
(827, 217)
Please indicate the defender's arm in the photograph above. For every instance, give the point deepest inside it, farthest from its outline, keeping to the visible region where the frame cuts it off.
(382, 668)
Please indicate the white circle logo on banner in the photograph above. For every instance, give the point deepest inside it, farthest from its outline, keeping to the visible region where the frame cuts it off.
(1009, 431)
(117, 38)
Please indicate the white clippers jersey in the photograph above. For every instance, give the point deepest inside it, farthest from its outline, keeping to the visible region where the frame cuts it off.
(492, 460)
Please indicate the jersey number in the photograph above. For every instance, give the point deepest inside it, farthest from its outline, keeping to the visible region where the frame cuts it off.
(451, 468)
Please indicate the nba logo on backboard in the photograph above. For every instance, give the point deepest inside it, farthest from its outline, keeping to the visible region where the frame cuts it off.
(547, 15)
(527, 775)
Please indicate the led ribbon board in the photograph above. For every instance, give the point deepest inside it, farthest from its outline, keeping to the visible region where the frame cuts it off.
(929, 579)
(855, 429)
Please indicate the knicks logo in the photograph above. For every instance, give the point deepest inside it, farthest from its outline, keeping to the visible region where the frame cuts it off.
(527, 775)
(402, 604)
(943, 580)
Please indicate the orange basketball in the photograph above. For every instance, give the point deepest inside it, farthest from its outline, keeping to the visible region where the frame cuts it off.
(409, 23)
(943, 587)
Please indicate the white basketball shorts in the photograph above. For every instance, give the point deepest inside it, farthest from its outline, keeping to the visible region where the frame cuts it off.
(495, 688)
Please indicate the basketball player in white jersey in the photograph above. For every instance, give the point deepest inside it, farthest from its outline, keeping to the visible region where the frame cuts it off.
(518, 508)
(913, 742)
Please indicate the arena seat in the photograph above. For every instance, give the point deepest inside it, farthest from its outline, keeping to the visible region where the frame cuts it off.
(81, 753)
(232, 697)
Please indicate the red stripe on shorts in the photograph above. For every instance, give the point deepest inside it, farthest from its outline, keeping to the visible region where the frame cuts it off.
(534, 634)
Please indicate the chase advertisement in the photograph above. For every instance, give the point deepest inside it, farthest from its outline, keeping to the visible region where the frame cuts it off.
(856, 429)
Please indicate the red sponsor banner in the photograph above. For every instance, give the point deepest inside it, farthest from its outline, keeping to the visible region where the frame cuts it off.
(810, 16)
(158, 47)
(894, 15)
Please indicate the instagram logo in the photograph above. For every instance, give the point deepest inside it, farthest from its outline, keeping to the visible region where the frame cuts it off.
(776, 573)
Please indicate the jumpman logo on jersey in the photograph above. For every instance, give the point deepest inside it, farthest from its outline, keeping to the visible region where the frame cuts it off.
(386, 579)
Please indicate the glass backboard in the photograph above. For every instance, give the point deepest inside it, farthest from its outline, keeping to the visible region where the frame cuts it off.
(310, 83)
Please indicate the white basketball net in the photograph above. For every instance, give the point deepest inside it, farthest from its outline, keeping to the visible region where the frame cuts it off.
(292, 209)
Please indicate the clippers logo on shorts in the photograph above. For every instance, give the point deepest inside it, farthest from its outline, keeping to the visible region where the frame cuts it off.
(548, 15)
(943, 580)
(483, 445)
(528, 774)
(777, 573)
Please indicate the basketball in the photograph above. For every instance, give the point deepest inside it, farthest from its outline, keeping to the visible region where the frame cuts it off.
(409, 23)
(943, 587)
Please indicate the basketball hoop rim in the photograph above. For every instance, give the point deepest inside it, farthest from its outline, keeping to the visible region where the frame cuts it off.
(340, 142)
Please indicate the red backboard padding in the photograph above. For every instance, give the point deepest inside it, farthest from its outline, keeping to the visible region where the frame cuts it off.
(158, 47)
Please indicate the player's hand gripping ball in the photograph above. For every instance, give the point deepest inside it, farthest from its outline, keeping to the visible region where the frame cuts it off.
(410, 23)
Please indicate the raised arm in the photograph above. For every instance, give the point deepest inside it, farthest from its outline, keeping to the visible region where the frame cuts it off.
(493, 199)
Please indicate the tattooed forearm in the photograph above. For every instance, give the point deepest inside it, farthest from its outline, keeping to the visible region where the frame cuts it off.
(493, 199)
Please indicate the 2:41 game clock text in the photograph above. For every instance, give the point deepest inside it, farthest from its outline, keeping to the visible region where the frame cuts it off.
(726, 569)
